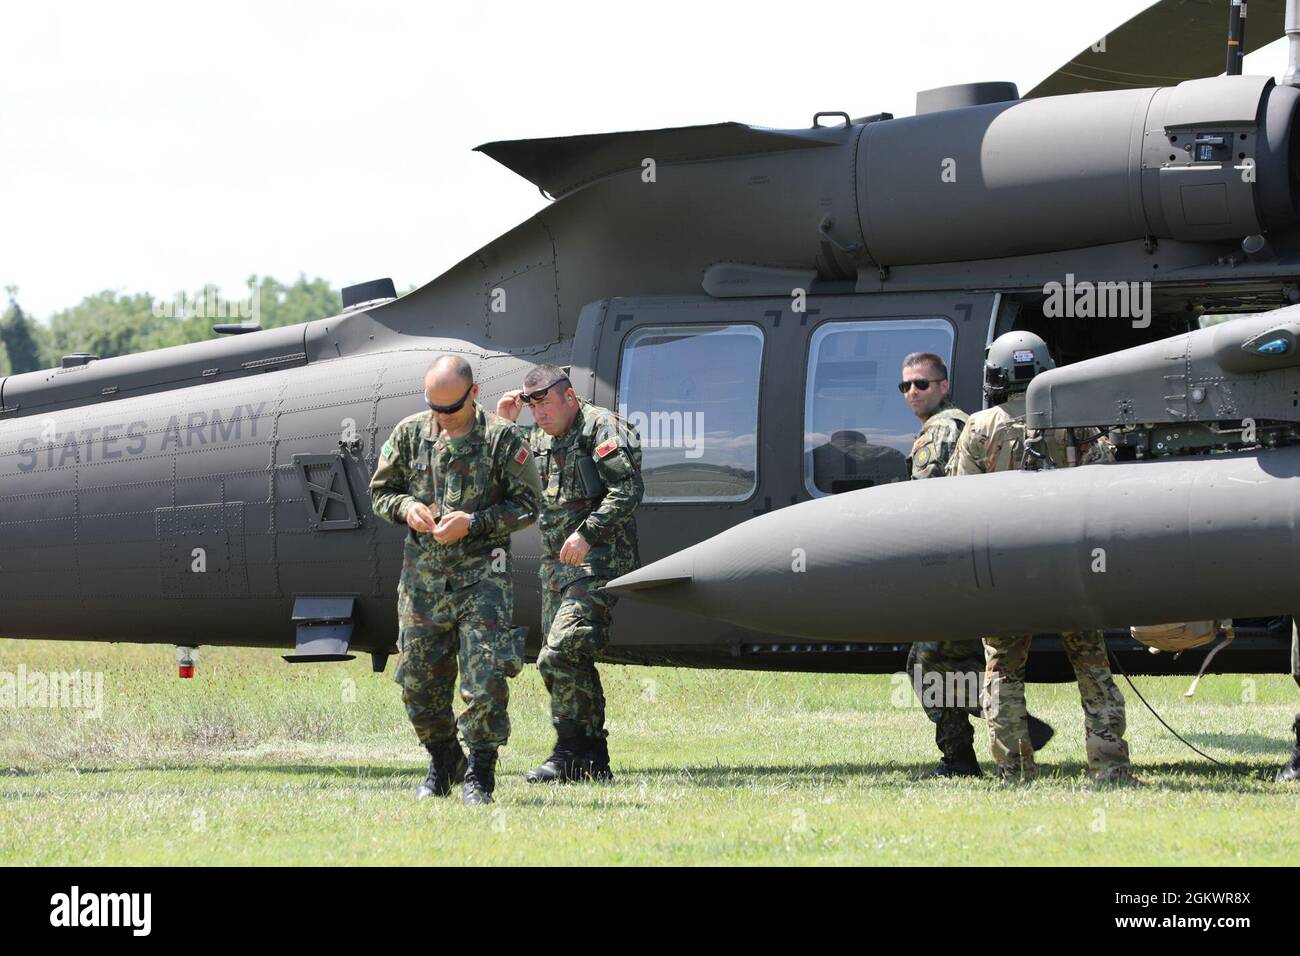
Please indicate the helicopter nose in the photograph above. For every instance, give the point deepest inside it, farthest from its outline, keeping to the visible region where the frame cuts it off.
(760, 573)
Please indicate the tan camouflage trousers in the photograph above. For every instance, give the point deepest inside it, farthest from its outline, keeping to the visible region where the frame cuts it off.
(576, 621)
(1295, 651)
(946, 676)
(1008, 718)
(467, 629)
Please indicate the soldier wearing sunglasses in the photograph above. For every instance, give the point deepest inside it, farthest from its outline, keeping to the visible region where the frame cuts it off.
(940, 669)
(590, 461)
(462, 481)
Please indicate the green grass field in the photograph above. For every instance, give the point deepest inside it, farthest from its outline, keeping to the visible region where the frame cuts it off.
(257, 762)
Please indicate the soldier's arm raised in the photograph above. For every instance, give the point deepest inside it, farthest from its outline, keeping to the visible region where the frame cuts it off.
(388, 496)
(523, 493)
(618, 462)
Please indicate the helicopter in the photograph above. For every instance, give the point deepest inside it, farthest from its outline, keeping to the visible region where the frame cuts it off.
(741, 295)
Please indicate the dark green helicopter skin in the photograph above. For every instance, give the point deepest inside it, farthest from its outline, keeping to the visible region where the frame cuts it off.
(214, 493)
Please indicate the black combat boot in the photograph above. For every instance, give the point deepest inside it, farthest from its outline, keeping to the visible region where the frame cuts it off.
(958, 761)
(446, 767)
(599, 768)
(480, 778)
(1291, 772)
(1040, 732)
(570, 760)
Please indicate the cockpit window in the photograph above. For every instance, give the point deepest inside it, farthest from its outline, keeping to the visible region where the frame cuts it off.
(692, 393)
(858, 430)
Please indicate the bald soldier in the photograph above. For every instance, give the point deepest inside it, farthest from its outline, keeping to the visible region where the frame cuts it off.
(996, 440)
(940, 670)
(591, 466)
(462, 480)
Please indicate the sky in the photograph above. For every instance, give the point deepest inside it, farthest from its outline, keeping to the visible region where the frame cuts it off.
(159, 147)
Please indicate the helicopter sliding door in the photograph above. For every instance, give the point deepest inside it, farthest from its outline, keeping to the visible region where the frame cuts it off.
(748, 404)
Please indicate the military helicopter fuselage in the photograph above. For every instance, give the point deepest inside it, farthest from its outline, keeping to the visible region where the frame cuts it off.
(743, 296)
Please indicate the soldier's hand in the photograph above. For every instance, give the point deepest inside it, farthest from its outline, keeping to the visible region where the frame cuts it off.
(575, 549)
(452, 527)
(511, 404)
(420, 518)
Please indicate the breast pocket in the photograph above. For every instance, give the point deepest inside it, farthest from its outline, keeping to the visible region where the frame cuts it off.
(468, 484)
(421, 482)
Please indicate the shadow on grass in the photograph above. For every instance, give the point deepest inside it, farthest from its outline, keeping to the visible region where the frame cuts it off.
(1182, 775)
(1250, 743)
(1185, 774)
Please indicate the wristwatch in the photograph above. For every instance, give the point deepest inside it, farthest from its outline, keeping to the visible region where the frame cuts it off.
(475, 525)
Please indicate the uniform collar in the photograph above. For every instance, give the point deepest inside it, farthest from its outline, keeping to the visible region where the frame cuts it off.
(475, 436)
(575, 429)
(943, 406)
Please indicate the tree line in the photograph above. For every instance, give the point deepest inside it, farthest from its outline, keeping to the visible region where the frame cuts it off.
(112, 323)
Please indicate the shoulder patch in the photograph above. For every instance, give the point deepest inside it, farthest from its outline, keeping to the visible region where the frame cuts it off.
(521, 456)
(606, 447)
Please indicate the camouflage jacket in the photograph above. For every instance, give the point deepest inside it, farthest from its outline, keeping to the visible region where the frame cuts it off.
(934, 447)
(994, 440)
(489, 471)
(604, 516)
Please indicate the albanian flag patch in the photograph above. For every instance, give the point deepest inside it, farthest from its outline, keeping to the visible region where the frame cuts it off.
(606, 447)
(521, 456)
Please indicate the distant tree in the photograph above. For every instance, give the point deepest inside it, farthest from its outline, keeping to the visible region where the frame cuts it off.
(305, 300)
(20, 338)
(105, 324)
(111, 323)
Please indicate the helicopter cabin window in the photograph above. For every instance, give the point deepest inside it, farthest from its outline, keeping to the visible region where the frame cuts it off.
(858, 430)
(692, 394)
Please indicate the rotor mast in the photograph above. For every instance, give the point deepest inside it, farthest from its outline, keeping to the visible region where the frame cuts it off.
(1237, 35)
(1292, 25)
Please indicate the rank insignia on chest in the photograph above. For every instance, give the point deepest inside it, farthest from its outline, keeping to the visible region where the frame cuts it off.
(605, 448)
(521, 456)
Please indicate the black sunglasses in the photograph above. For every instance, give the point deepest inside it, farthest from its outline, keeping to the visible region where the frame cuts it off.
(529, 397)
(921, 384)
(450, 409)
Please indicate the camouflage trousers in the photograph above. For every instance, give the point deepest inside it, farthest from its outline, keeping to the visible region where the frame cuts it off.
(576, 621)
(946, 676)
(1295, 651)
(1004, 703)
(469, 628)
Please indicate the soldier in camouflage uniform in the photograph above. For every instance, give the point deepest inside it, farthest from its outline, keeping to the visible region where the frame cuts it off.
(591, 467)
(958, 665)
(463, 481)
(1291, 772)
(995, 440)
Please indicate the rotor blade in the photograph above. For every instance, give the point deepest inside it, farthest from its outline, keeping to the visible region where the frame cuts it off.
(562, 164)
(1170, 41)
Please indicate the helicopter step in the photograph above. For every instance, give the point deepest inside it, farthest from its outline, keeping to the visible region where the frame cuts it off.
(325, 625)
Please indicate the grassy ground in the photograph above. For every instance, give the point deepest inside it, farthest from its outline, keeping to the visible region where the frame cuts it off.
(257, 762)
